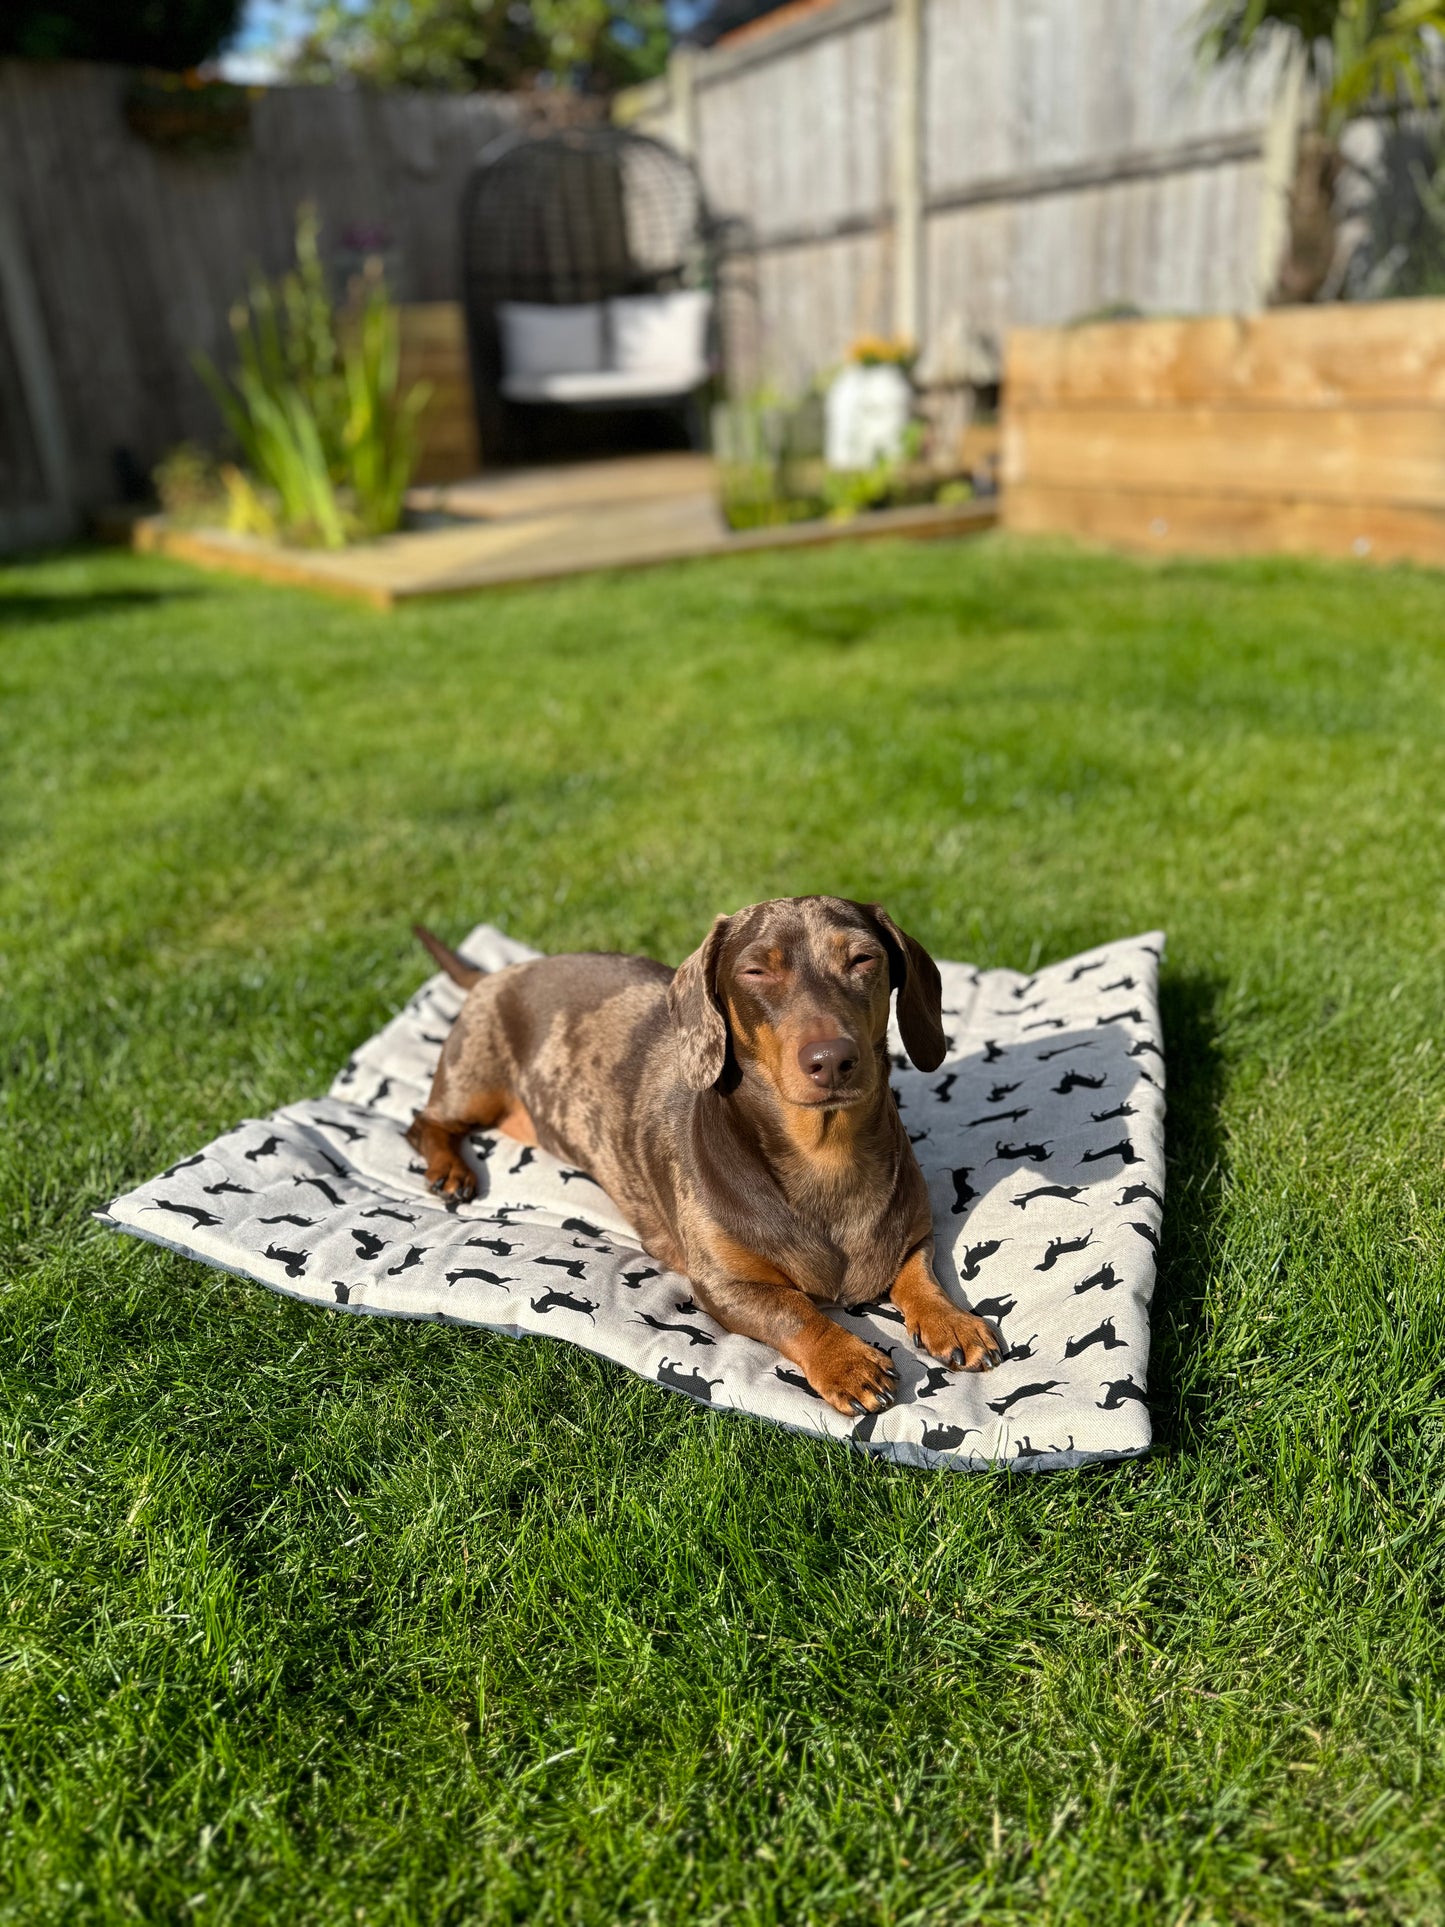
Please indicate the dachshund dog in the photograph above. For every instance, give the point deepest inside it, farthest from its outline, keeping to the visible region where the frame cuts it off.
(738, 1112)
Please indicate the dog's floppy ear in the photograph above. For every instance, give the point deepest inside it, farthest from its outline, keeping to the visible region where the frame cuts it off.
(697, 1015)
(914, 975)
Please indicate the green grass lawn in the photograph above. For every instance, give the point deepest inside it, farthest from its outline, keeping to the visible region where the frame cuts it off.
(312, 1618)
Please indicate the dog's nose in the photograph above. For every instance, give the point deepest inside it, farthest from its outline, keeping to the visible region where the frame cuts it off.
(830, 1062)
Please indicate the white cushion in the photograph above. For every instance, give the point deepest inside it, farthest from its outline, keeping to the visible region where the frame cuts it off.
(656, 333)
(608, 386)
(541, 340)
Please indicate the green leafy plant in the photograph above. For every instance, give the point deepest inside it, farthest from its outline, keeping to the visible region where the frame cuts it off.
(327, 442)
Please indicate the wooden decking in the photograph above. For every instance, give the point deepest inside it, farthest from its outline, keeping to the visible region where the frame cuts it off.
(529, 525)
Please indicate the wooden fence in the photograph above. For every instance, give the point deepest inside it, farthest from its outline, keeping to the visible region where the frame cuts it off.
(950, 169)
(132, 257)
(1317, 430)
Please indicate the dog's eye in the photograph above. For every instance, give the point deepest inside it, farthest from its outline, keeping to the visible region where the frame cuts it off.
(755, 970)
(864, 961)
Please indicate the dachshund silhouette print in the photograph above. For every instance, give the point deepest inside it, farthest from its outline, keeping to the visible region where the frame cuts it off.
(194, 1212)
(1105, 1278)
(385, 1211)
(1102, 1334)
(215, 1190)
(498, 1247)
(693, 1334)
(795, 1379)
(1123, 1150)
(1119, 1392)
(685, 1306)
(567, 1176)
(1107, 1117)
(693, 1383)
(581, 1224)
(992, 1052)
(294, 1261)
(348, 1070)
(878, 1309)
(1061, 1248)
(995, 1310)
(1082, 970)
(1147, 1233)
(898, 1103)
(1135, 1193)
(184, 1164)
(1023, 1009)
(1012, 1153)
(382, 1090)
(1078, 1080)
(348, 1131)
(963, 1192)
(290, 1217)
(1145, 1044)
(1027, 1452)
(1047, 1056)
(482, 1147)
(1017, 1354)
(487, 1277)
(268, 1149)
(431, 1037)
(368, 1245)
(563, 1301)
(1133, 1016)
(1021, 1392)
(1067, 1193)
(975, 1255)
(1020, 991)
(1123, 983)
(528, 1156)
(945, 1438)
(938, 1377)
(343, 1292)
(917, 1137)
(1046, 1023)
(412, 1259)
(999, 1117)
(323, 1187)
(999, 1092)
(574, 1267)
(635, 1280)
(943, 1087)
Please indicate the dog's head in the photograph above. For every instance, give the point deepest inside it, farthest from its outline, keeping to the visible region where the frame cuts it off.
(798, 990)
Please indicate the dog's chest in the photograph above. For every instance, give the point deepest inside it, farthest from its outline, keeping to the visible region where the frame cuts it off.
(853, 1251)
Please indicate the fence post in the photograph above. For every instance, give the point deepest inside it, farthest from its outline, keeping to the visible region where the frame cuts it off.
(41, 392)
(908, 303)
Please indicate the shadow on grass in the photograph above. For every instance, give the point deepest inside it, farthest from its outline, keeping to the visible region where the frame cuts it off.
(21, 609)
(1189, 1005)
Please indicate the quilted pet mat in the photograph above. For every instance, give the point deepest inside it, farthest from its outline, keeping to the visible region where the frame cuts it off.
(1041, 1136)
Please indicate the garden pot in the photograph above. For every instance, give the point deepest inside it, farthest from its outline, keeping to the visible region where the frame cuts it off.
(867, 413)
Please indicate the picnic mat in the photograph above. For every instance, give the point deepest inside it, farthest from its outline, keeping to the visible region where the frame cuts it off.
(1041, 1136)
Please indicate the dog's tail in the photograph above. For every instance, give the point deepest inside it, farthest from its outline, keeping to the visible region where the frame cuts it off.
(456, 967)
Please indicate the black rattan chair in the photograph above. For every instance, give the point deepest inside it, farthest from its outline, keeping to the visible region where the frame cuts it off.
(584, 215)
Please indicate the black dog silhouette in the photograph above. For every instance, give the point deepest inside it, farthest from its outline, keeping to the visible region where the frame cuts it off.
(1061, 1247)
(999, 1092)
(343, 1292)
(1018, 1353)
(898, 1098)
(382, 1090)
(693, 1383)
(385, 1211)
(268, 1149)
(878, 1309)
(963, 1192)
(1047, 1056)
(1068, 1192)
(1027, 1451)
(1102, 1334)
(1022, 990)
(693, 1334)
(1023, 1009)
(1119, 1392)
(581, 1224)
(413, 1257)
(1144, 1045)
(497, 1246)
(348, 1070)
(197, 1216)
(1082, 970)
(992, 1052)
(1133, 1193)
(1105, 1278)
(482, 1147)
(942, 1088)
(1107, 1117)
(795, 1379)
(999, 1117)
(1147, 1233)
(294, 1261)
(348, 1131)
(290, 1217)
(1134, 1016)
(368, 1245)
(184, 1164)
(1123, 983)
(574, 1267)
(1046, 1023)
(1017, 1397)
(323, 1187)
(945, 1438)
(634, 1280)
(1078, 1080)
(586, 1177)
(563, 1301)
(995, 1309)
(1010, 1153)
(215, 1190)
(1123, 1150)
(528, 1156)
(487, 1277)
(917, 1137)
(974, 1256)
(938, 1377)
(582, 1244)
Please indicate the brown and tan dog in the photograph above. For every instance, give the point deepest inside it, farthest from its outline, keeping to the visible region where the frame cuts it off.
(738, 1112)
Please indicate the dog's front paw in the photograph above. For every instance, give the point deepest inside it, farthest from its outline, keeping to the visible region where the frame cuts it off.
(853, 1376)
(452, 1181)
(961, 1339)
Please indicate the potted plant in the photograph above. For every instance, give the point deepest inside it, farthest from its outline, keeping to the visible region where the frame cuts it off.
(869, 404)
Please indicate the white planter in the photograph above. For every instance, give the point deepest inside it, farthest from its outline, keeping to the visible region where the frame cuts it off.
(867, 412)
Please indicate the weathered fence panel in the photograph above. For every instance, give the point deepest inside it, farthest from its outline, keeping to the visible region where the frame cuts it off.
(136, 255)
(1310, 429)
